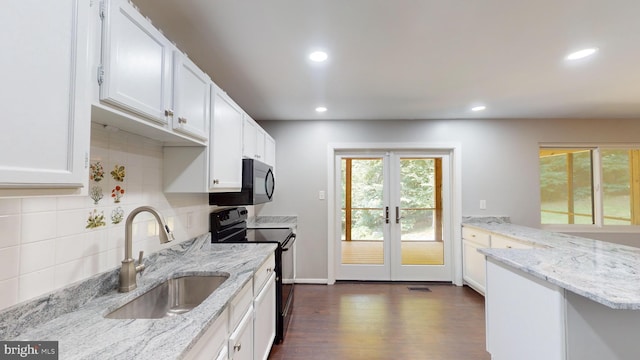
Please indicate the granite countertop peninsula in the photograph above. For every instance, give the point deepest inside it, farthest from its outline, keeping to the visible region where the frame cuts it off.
(74, 316)
(262, 222)
(604, 272)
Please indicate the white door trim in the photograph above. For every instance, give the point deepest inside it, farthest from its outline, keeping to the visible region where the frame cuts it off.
(455, 211)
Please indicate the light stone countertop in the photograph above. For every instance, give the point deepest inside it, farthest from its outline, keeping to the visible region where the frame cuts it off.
(604, 272)
(269, 222)
(84, 333)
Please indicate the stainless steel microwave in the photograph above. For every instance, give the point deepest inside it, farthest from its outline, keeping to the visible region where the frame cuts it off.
(258, 185)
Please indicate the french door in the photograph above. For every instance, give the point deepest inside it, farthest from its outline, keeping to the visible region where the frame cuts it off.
(393, 216)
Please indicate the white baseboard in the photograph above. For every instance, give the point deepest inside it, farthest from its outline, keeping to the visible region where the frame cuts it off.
(312, 281)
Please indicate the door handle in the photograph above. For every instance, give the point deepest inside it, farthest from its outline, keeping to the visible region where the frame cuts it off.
(398, 217)
(386, 214)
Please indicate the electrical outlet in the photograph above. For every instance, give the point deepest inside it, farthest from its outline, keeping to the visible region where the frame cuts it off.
(483, 204)
(321, 195)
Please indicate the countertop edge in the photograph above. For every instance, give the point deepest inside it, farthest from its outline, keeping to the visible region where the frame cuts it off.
(606, 273)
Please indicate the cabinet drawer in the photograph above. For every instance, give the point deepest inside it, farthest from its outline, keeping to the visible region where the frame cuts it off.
(213, 341)
(503, 242)
(240, 304)
(263, 274)
(477, 236)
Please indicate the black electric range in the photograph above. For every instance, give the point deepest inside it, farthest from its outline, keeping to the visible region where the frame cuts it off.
(229, 225)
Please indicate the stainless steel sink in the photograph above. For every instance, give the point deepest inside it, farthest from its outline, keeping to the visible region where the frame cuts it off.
(173, 297)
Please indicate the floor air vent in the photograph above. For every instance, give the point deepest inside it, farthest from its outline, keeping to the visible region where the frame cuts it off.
(419, 288)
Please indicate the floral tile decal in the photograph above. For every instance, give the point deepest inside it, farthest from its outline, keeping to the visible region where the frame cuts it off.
(95, 219)
(117, 193)
(117, 215)
(96, 171)
(96, 194)
(118, 173)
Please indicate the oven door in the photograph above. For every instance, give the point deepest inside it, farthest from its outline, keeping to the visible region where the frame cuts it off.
(288, 280)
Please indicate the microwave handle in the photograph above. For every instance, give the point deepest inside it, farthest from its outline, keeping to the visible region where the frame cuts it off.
(269, 178)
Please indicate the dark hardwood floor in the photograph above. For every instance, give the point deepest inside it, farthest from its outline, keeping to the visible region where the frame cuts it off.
(385, 321)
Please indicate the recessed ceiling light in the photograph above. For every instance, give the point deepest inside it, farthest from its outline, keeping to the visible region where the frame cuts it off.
(321, 109)
(581, 54)
(318, 56)
(478, 108)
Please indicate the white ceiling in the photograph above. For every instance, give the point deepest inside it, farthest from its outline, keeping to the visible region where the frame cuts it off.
(413, 59)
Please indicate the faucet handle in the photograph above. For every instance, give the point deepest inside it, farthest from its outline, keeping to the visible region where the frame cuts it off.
(140, 266)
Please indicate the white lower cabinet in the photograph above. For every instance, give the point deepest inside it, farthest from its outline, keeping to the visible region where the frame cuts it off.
(474, 263)
(525, 316)
(473, 269)
(241, 339)
(531, 319)
(214, 341)
(503, 242)
(247, 327)
(223, 354)
(265, 320)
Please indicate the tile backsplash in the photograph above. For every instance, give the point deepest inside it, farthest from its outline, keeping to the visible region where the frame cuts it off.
(49, 242)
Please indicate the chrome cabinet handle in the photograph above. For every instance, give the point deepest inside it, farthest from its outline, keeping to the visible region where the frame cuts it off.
(182, 120)
(237, 347)
(168, 112)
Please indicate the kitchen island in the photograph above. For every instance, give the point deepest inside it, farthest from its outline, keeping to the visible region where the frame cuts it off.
(566, 298)
(75, 318)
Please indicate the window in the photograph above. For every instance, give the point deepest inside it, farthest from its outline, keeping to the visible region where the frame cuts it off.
(597, 185)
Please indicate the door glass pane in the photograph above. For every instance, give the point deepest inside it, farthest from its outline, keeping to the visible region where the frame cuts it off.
(566, 186)
(420, 212)
(362, 211)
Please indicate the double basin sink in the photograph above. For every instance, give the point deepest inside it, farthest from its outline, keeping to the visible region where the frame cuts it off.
(172, 297)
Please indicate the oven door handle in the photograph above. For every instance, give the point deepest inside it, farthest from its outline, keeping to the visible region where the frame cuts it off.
(289, 242)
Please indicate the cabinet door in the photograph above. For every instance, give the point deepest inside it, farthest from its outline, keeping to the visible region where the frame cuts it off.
(260, 141)
(241, 340)
(191, 98)
(225, 144)
(213, 342)
(136, 60)
(474, 268)
(44, 142)
(265, 320)
(270, 151)
(249, 133)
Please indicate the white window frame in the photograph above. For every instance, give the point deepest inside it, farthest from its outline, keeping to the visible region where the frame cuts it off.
(598, 208)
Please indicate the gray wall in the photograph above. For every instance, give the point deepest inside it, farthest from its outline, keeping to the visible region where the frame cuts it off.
(499, 165)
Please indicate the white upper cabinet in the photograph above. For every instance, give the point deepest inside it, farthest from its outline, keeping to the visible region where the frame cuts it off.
(256, 143)
(191, 98)
(225, 145)
(269, 150)
(136, 63)
(44, 142)
(216, 168)
(249, 133)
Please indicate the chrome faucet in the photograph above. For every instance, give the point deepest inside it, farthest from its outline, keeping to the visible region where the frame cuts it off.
(128, 270)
